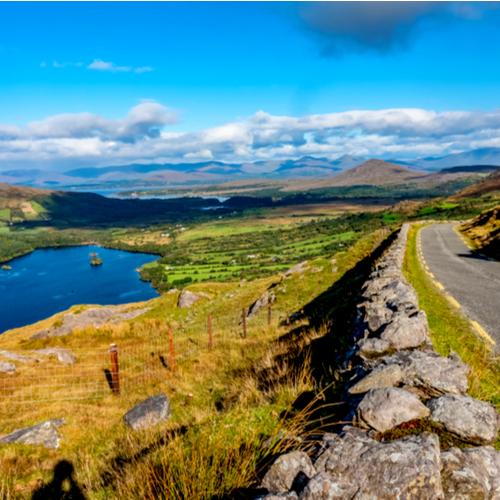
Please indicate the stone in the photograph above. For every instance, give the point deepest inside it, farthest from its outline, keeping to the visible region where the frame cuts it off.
(44, 434)
(433, 374)
(376, 315)
(17, 357)
(148, 413)
(291, 495)
(356, 466)
(471, 420)
(6, 367)
(384, 409)
(263, 301)
(187, 299)
(404, 332)
(64, 356)
(285, 470)
(471, 473)
(383, 376)
(296, 269)
(371, 348)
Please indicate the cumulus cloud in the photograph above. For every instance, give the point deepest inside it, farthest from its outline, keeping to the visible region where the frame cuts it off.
(379, 26)
(143, 136)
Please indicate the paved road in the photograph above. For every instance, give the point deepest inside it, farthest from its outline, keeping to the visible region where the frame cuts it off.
(473, 281)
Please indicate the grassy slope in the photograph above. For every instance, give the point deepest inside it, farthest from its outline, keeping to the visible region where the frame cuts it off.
(228, 411)
(451, 330)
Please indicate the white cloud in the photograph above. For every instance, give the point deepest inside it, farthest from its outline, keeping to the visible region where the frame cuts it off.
(100, 65)
(141, 136)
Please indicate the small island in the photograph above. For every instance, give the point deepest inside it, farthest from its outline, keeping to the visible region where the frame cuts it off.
(95, 260)
(6, 267)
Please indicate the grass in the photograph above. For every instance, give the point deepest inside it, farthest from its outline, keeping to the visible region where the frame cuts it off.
(451, 331)
(226, 416)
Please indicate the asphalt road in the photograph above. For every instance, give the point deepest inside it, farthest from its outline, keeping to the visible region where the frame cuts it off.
(472, 280)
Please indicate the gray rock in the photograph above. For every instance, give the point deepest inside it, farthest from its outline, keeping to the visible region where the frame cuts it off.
(45, 434)
(291, 495)
(384, 409)
(404, 332)
(471, 420)
(64, 356)
(471, 473)
(376, 315)
(280, 477)
(6, 367)
(148, 413)
(356, 466)
(17, 357)
(263, 301)
(383, 376)
(371, 348)
(433, 374)
(187, 299)
(296, 269)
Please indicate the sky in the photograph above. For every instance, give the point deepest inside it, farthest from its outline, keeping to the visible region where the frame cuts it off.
(115, 83)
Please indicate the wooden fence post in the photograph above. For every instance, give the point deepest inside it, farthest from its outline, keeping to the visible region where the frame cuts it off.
(269, 313)
(171, 349)
(209, 332)
(244, 322)
(115, 369)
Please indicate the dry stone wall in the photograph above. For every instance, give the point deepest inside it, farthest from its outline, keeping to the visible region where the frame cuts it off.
(415, 433)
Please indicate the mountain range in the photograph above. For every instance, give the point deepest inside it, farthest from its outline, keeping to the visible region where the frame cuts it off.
(214, 172)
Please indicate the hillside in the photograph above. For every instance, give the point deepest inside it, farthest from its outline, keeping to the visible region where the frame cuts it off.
(483, 232)
(488, 185)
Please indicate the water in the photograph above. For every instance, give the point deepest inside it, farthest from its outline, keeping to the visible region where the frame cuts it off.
(49, 281)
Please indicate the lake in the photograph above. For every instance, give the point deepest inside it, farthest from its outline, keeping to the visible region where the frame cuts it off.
(48, 281)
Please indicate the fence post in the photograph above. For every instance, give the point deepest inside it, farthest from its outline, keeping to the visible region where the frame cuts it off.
(115, 369)
(171, 349)
(209, 332)
(269, 313)
(244, 322)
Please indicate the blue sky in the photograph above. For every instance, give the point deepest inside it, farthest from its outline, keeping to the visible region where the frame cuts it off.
(215, 65)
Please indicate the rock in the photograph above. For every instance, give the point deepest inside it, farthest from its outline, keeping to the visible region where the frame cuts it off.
(148, 413)
(45, 434)
(404, 332)
(471, 420)
(6, 367)
(17, 357)
(384, 409)
(291, 495)
(64, 356)
(286, 469)
(263, 301)
(433, 374)
(356, 466)
(471, 473)
(383, 376)
(187, 299)
(376, 315)
(93, 316)
(371, 348)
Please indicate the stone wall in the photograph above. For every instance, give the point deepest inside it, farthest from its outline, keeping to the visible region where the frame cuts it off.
(414, 432)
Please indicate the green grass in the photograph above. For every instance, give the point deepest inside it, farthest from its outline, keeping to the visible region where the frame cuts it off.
(451, 331)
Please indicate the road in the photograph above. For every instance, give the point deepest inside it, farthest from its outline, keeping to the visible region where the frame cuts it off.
(472, 280)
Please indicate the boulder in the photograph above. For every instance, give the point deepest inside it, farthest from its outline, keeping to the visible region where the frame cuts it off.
(44, 434)
(405, 332)
(263, 301)
(286, 470)
(376, 315)
(471, 420)
(384, 409)
(6, 367)
(383, 376)
(187, 299)
(471, 473)
(14, 356)
(296, 269)
(148, 413)
(356, 466)
(64, 356)
(433, 374)
(371, 348)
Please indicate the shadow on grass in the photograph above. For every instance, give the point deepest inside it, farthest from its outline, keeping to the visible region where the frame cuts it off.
(62, 486)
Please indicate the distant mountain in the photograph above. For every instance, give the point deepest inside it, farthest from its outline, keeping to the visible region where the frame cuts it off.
(376, 173)
(484, 156)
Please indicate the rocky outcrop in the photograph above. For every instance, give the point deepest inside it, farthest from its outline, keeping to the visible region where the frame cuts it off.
(187, 299)
(44, 434)
(397, 386)
(287, 471)
(148, 413)
(64, 356)
(93, 316)
(264, 300)
(6, 367)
